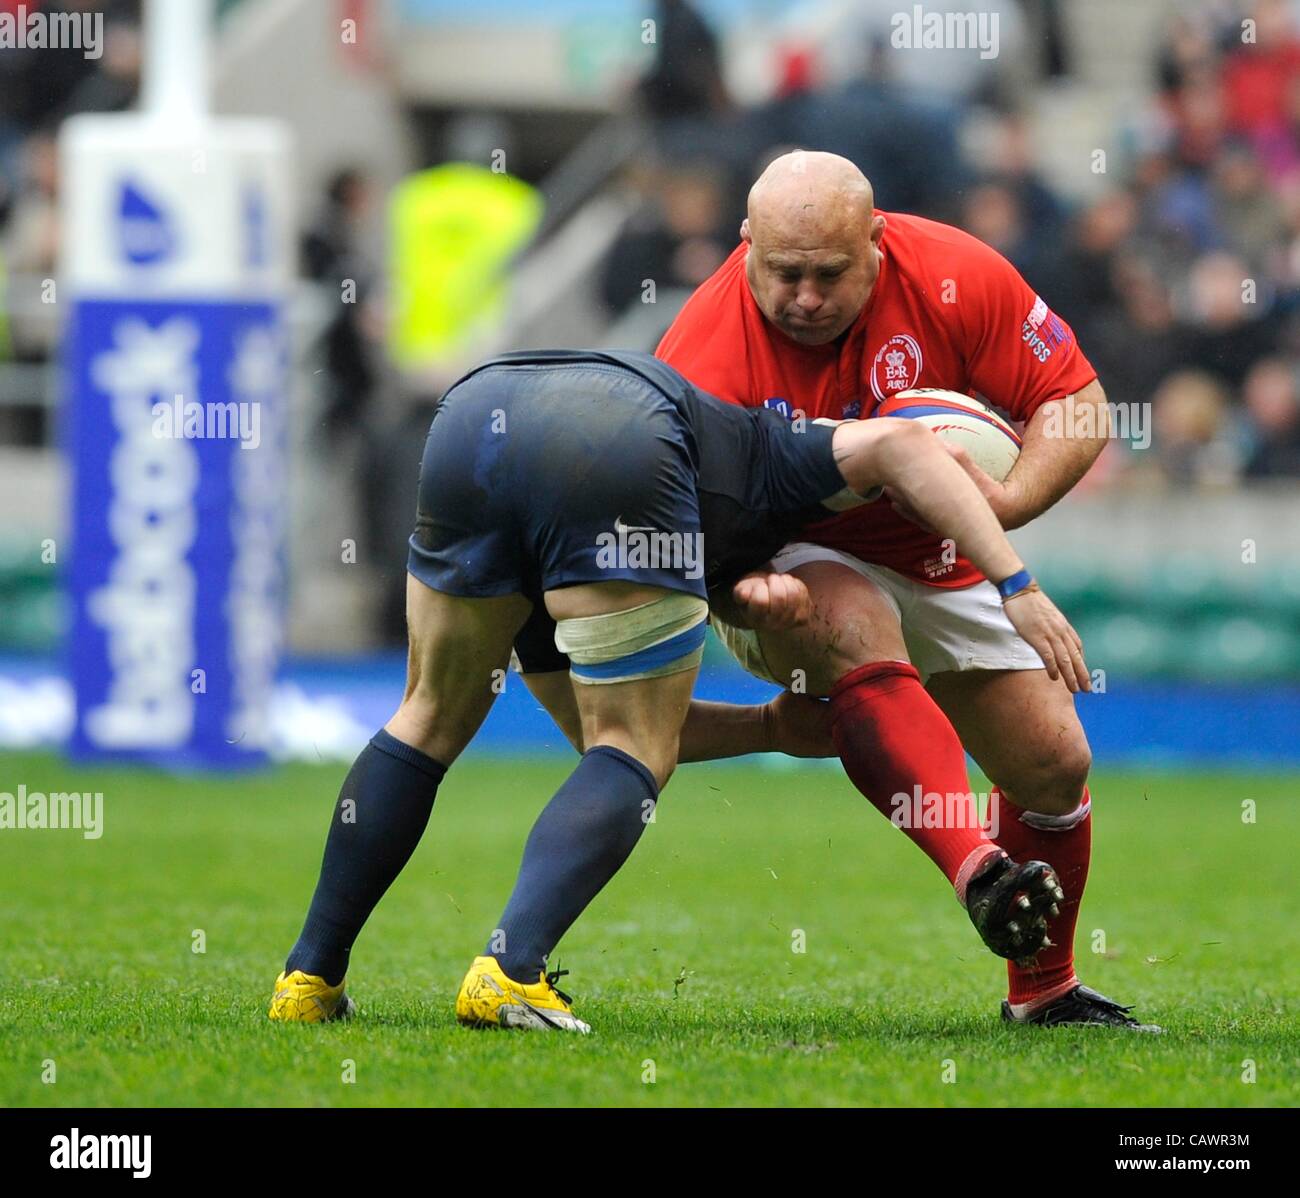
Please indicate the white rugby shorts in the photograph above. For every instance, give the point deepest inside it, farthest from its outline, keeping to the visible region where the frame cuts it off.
(944, 628)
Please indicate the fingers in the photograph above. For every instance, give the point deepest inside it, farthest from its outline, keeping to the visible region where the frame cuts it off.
(962, 457)
(798, 602)
(1075, 648)
(1068, 652)
(1053, 639)
(788, 600)
(773, 601)
(750, 593)
(1047, 651)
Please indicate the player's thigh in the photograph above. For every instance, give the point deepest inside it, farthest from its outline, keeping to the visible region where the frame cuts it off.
(553, 689)
(853, 623)
(458, 652)
(1024, 732)
(643, 716)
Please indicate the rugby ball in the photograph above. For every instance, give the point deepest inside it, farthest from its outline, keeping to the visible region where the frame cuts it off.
(991, 442)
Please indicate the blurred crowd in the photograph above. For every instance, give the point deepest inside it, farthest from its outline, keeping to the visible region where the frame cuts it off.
(1181, 275)
(38, 89)
(1181, 278)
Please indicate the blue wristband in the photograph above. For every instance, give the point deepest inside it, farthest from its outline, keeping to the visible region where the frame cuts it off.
(1013, 585)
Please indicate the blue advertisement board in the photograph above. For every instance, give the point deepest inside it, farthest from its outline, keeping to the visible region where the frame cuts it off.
(175, 433)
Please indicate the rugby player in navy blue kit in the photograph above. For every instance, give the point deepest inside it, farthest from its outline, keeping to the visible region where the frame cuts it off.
(584, 508)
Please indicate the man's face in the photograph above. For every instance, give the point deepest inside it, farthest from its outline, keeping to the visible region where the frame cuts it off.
(812, 288)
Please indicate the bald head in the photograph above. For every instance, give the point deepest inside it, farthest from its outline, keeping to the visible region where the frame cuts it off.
(811, 191)
(813, 237)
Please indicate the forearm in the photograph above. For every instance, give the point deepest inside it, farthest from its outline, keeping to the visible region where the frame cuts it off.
(1061, 442)
(942, 494)
(715, 730)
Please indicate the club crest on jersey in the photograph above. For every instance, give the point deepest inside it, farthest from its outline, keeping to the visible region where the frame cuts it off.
(897, 366)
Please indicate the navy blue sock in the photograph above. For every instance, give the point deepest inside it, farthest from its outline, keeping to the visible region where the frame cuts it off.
(381, 814)
(578, 843)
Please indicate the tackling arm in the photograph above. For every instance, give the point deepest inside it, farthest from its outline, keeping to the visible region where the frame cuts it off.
(796, 725)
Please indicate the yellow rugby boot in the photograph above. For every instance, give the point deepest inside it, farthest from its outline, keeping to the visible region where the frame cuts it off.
(488, 998)
(305, 998)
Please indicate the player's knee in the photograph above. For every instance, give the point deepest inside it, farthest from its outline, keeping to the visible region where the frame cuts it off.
(438, 730)
(1055, 786)
(657, 754)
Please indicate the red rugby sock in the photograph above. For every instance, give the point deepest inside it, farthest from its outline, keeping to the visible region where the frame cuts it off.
(1065, 843)
(900, 751)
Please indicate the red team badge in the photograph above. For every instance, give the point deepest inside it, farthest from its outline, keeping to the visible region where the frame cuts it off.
(897, 366)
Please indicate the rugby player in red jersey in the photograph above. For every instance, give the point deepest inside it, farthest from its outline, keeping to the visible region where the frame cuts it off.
(826, 308)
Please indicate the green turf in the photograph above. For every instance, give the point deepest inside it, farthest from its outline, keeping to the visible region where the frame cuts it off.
(684, 966)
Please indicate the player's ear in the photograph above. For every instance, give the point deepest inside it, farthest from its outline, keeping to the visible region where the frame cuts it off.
(877, 228)
(744, 232)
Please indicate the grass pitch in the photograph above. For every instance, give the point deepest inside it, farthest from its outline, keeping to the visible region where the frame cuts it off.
(685, 966)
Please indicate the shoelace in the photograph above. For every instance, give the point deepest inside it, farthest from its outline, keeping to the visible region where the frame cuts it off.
(1084, 994)
(554, 976)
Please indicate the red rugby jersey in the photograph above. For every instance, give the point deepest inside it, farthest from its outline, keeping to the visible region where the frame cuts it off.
(947, 311)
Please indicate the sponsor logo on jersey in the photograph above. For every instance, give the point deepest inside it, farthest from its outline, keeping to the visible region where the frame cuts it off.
(1043, 330)
(937, 567)
(897, 366)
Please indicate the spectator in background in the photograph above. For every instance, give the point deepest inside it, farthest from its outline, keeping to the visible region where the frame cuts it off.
(1227, 330)
(1083, 282)
(1176, 210)
(686, 79)
(1286, 264)
(1273, 405)
(1137, 340)
(1012, 159)
(1257, 77)
(994, 212)
(1188, 50)
(116, 83)
(31, 247)
(1244, 207)
(1278, 144)
(1194, 442)
(334, 255)
(679, 237)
